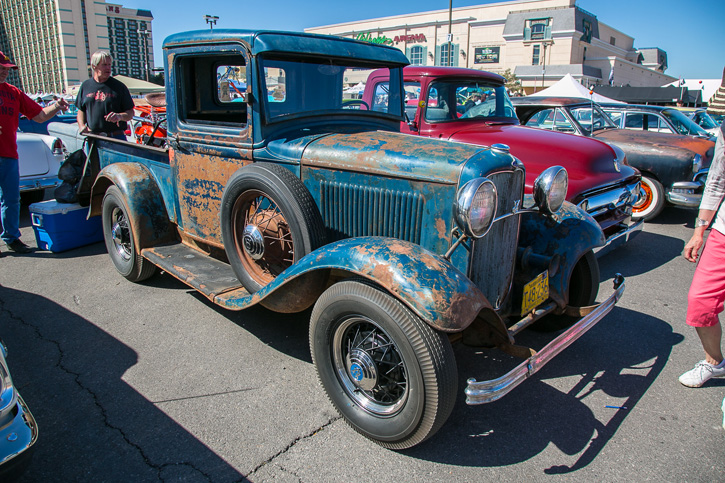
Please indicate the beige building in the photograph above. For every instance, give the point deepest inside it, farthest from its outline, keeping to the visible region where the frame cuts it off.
(52, 40)
(538, 40)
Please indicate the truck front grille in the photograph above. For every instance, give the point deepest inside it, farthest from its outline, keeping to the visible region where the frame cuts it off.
(494, 255)
(353, 210)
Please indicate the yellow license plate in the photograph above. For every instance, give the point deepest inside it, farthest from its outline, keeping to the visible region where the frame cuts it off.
(535, 293)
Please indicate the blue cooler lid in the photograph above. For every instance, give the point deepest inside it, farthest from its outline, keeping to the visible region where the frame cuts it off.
(52, 207)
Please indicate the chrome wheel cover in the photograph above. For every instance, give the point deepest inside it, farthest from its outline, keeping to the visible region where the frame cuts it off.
(369, 366)
(121, 234)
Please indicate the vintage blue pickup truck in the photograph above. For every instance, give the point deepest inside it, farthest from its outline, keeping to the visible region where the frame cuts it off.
(272, 190)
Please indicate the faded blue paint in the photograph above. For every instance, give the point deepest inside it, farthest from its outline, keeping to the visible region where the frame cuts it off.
(429, 285)
(145, 202)
(570, 234)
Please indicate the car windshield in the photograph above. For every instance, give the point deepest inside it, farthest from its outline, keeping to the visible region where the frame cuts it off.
(682, 123)
(591, 118)
(324, 87)
(462, 99)
(704, 120)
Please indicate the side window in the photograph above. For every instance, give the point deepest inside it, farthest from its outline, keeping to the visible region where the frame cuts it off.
(662, 126)
(634, 121)
(412, 98)
(616, 117)
(380, 97)
(274, 79)
(213, 89)
(562, 123)
(543, 119)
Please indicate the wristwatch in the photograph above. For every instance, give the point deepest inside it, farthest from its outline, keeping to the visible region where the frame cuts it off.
(700, 222)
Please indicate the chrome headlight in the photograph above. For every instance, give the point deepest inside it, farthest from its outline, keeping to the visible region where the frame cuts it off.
(696, 163)
(475, 207)
(550, 189)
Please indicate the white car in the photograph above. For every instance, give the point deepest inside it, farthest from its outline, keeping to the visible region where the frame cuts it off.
(39, 157)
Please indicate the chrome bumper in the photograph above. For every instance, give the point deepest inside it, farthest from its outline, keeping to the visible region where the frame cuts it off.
(480, 392)
(620, 238)
(16, 441)
(685, 193)
(39, 183)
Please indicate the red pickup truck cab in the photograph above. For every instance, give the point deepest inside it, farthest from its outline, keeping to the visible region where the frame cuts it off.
(472, 106)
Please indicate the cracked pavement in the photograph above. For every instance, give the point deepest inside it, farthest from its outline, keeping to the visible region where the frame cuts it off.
(150, 382)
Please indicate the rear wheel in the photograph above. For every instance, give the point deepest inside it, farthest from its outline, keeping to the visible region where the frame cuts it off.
(118, 234)
(391, 376)
(652, 200)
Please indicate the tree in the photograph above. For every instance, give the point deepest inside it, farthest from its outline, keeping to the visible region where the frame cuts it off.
(513, 84)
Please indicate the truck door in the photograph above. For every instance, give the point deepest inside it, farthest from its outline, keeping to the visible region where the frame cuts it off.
(212, 129)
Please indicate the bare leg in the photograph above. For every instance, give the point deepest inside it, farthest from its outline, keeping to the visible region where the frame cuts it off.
(711, 338)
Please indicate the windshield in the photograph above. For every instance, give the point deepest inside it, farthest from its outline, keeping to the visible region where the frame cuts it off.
(460, 99)
(682, 123)
(583, 115)
(324, 86)
(704, 120)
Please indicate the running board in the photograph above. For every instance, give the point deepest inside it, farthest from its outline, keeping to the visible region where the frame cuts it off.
(199, 271)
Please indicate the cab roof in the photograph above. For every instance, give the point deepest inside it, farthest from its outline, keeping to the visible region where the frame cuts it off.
(260, 41)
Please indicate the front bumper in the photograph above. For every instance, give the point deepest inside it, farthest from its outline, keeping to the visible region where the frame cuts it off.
(612, 209)
(626, 233)
(39, 183)
(17, 440)
(480, 392)
(686, 194)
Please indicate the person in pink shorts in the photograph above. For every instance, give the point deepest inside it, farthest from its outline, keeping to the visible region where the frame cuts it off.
(707, 292)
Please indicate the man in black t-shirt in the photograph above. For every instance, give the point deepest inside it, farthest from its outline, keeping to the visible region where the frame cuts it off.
(104, 103)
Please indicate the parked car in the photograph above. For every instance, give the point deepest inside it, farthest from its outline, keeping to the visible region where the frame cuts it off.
(18, 429)
(659, 119)
(702, 118)
(599, 179)
(673, 166)
(39, 158)
(30, 126)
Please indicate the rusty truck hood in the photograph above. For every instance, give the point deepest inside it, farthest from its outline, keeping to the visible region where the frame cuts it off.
(646, 140)
(392, 154)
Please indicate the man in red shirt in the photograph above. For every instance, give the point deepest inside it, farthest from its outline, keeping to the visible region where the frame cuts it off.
(14, 102)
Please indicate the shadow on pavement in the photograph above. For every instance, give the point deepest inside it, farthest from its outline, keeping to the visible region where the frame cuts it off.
(70, 374)
(618, 358)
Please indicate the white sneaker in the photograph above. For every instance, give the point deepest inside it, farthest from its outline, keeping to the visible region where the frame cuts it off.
(702, 372)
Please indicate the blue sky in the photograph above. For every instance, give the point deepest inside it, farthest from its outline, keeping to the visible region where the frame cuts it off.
(690, 31)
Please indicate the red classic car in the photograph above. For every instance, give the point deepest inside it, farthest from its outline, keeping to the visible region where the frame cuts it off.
(472, 106)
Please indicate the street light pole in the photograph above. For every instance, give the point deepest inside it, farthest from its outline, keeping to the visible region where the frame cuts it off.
(144, 33)
(211, 20)
(450, 35)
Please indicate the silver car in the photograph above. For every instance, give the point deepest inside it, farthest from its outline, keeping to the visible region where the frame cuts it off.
(18, 429)
(39, 157)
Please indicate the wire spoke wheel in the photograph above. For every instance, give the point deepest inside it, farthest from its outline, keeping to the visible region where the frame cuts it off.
(262, 236)
(391, 376)
(370, 366)
(269, 221)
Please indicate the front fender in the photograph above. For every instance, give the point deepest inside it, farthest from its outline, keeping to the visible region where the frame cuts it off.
(427, 284)
(147, 211)
(570, 233)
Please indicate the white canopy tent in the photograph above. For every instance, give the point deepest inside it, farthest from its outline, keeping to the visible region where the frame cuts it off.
(359, 88)
(568, 86)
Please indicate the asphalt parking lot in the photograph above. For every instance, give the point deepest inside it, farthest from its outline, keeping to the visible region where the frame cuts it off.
(150, 382)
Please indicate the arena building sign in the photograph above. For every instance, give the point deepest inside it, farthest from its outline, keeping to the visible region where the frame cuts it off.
(367, 37)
